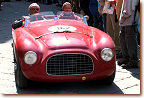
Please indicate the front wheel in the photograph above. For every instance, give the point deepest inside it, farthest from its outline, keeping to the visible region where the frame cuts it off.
(14, 53)
(20, 79)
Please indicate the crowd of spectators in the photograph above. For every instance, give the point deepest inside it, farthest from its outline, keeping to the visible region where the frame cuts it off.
(119, 19)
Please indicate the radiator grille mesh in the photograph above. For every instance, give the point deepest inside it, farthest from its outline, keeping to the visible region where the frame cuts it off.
(69, 64)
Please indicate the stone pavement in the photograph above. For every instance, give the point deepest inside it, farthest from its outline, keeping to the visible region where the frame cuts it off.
(126, 81)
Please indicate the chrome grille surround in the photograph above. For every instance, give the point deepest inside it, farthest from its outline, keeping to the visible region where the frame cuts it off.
(69, 64)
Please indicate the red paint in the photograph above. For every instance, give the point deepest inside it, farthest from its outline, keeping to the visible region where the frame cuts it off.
(57, 43)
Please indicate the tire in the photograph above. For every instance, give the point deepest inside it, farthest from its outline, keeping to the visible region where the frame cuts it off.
(14, 55)
(20, 79)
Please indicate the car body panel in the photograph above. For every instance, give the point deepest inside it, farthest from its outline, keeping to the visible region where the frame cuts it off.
(81, 39)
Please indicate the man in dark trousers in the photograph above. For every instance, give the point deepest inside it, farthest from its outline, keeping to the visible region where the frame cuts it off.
(97, 18)
(84, 6)
(128, 41)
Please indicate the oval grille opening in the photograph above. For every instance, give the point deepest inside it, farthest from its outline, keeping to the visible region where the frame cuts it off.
(69, 64)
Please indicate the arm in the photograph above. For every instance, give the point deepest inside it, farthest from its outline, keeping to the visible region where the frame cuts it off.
(77, 17)
(126, 9)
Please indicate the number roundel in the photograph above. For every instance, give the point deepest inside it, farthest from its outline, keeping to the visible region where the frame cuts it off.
(60, 28)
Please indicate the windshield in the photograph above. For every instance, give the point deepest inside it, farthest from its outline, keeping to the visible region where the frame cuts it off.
(50, 15)
(69, 15)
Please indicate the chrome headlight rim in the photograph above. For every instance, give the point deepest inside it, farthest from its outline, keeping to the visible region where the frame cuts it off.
(107, 54)
(33, 55)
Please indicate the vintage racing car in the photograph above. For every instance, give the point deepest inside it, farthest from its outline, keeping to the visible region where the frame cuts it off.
(61, 48)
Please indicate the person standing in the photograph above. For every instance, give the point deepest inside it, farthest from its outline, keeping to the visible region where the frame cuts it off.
(97, 18)
(84, 10)
(118, 8)
(112, 24)
(100, 9)
(128, 23)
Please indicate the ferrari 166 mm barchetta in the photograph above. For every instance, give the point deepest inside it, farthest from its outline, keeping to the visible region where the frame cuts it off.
(62, 48)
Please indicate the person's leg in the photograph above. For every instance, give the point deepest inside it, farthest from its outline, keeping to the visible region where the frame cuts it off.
(101, 23)
(124, 50)
(104, 21)
(131, 43)
(96, 21)
(138, 38)
(123, 42)
(116, 28)
(109, 27)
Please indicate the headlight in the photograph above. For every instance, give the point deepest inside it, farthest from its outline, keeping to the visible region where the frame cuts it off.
(106, 54)
(30, 57)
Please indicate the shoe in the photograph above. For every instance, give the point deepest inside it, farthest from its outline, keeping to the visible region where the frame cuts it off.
(123, 61)
(129, 65)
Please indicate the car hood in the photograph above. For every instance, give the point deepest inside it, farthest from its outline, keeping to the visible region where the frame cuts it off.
(79, 35)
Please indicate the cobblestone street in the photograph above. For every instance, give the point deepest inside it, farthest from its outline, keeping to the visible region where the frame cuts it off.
(126, 81)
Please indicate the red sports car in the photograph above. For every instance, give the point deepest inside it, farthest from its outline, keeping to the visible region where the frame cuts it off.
(62, 48)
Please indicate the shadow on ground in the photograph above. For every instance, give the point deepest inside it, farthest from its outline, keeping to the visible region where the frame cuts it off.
(71, 88)
(135, 72)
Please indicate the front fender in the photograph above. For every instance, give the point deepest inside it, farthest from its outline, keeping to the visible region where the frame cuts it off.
(24, 42)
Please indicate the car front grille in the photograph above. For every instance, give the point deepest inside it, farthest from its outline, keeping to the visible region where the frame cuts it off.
(69, 64)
